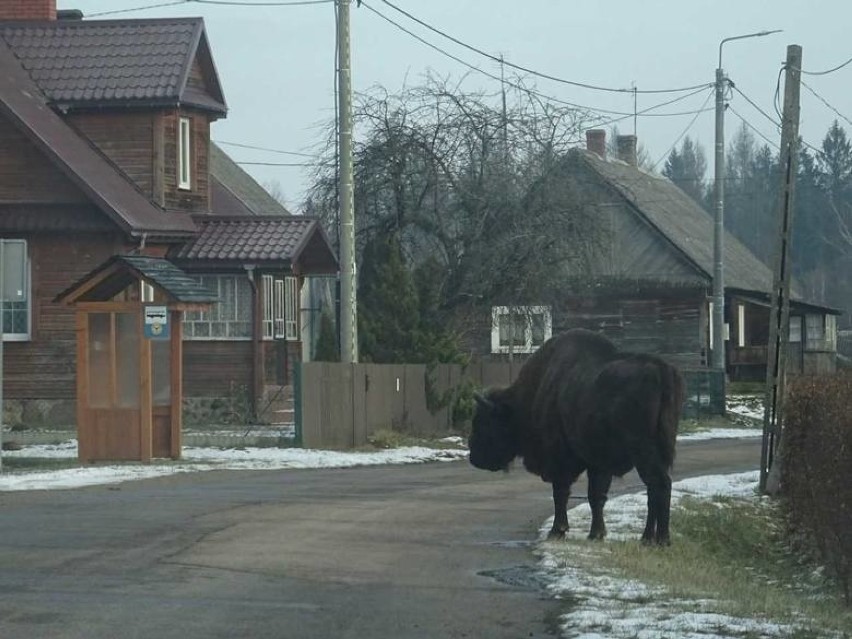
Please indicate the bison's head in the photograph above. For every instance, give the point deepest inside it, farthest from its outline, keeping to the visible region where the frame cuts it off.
(493, 443)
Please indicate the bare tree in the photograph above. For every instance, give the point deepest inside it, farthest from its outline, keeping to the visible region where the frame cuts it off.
(460, 181)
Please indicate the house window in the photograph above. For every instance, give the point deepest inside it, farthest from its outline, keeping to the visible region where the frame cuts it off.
(146, 292)
(230, 317)
(519, 329)
(740, 325)
(185, 154)
(280, 308)
(795, 328)
(814, 328)
(15, 294)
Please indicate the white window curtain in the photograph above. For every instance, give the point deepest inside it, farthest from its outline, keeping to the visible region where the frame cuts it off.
(519, 329)
(185, 154)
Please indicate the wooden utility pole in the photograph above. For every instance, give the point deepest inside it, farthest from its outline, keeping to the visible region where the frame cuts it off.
(779, 315)
(348, 288)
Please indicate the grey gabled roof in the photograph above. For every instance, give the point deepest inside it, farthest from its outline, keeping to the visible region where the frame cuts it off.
(120, 271)
(112, 192)
(81, 63)
(682, 221)
(235, 192)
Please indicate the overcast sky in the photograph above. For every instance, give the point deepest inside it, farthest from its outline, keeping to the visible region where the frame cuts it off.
(276, 63)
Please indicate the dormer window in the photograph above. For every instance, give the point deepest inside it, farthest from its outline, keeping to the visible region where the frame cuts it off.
(185, 154)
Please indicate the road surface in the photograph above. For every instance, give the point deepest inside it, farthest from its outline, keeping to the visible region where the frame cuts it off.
(403, 552)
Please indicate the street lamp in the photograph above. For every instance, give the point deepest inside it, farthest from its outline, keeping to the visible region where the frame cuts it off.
(718, 351)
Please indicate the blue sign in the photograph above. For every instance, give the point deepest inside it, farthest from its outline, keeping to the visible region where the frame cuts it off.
(156, 322)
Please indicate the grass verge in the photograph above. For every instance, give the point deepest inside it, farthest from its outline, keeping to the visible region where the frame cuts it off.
(733, 552)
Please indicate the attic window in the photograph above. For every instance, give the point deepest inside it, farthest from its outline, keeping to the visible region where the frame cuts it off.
(184, 154)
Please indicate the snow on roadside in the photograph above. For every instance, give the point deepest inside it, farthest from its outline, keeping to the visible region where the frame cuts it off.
(611, 607)
(203, 459)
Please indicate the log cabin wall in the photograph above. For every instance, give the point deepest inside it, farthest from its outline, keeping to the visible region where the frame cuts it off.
(25, 176)
(126, 138)
(197, 198)
(44, 366)
(212, 368)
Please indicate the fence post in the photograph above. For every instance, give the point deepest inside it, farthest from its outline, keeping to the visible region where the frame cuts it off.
(297, 403)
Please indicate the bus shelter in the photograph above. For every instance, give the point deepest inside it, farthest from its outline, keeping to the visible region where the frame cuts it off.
(130, 357)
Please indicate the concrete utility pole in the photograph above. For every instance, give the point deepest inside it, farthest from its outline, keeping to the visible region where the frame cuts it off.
(779, 314)
(348, 287)
(718, 353)
(2, 328)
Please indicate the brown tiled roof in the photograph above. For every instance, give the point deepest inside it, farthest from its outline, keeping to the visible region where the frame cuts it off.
(88, 63)
(102, 182)
(248, 239)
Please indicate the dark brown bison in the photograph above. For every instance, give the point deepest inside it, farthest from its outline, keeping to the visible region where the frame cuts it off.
(577, 405)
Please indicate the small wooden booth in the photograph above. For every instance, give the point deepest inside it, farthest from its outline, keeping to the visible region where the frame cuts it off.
(129, 357)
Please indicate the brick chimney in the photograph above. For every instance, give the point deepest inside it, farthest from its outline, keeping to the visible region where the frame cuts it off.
(27, 9)
(626, 146)
(596, 142)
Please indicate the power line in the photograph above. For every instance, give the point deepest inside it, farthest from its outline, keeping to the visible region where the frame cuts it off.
(684, 132)
(279, 163)
(757, 108)
(533, 71)
(754, 128)
(149, 6)
(263, 148)
(229, 3)
(827, 71)
(519, 86)
(825, 102)
(645, 112)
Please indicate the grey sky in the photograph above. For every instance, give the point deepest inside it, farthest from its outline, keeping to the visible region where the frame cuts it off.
(277, 63)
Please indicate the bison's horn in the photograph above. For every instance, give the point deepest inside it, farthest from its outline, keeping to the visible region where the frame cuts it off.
(483, 401)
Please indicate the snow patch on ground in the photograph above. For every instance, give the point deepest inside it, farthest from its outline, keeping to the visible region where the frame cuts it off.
(611, 607)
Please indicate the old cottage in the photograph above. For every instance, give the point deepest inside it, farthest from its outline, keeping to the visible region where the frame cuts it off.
(105, 150)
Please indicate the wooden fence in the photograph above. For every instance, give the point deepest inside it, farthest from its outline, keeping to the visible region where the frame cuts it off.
(341, 405)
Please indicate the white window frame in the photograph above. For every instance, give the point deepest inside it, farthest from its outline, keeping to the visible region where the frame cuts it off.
(741, 313)
(268, 309)
(523, 311)
(795, 329)
(146, 292)
(197, 323)
(24, 292)
(281, 308)
(814, 322)
(185, 153)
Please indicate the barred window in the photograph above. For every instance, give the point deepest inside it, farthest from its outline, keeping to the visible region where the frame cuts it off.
(230, 317)
(15, 294)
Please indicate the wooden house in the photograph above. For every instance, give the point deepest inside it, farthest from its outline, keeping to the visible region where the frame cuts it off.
(105, 150)
(650, 285)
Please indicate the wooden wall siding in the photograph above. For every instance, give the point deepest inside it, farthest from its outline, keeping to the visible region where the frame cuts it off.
(126, 138)
(212, 369)
(198, 198)
(44, 368)
(196, 77)
(636, 250)
(26, 175)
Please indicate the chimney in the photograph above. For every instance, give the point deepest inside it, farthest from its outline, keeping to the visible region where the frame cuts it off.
(626, 146)
(596, 142)
(27, 9)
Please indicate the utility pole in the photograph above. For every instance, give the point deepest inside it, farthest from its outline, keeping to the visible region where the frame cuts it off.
(2, 329)
(779, 314)
(348, 288)
(718, 351)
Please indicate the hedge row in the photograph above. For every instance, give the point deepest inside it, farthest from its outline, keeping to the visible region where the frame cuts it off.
(817, 465)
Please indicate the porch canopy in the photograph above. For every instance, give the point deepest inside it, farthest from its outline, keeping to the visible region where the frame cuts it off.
(129, 356)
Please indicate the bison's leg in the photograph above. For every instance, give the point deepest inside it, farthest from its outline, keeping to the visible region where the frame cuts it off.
(656, 477)
(561, 492)
(599, 483)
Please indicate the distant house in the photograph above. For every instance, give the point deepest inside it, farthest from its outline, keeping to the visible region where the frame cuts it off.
(650, 287)
(105, 130)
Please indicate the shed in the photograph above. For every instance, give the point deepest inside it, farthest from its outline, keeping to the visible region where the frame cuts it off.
(129, 356)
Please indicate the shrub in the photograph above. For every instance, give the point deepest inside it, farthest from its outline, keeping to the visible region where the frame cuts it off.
(817, 460)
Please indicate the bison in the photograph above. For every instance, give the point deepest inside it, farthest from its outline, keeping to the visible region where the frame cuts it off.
(577, 405)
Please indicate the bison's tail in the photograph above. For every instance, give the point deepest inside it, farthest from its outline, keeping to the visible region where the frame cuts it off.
(671, 403)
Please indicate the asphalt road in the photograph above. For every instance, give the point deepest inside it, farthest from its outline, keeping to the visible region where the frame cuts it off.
(434, 550)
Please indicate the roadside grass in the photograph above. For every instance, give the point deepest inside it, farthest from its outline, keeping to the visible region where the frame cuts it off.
(29, 464)
(386, 438)
(730, 554)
